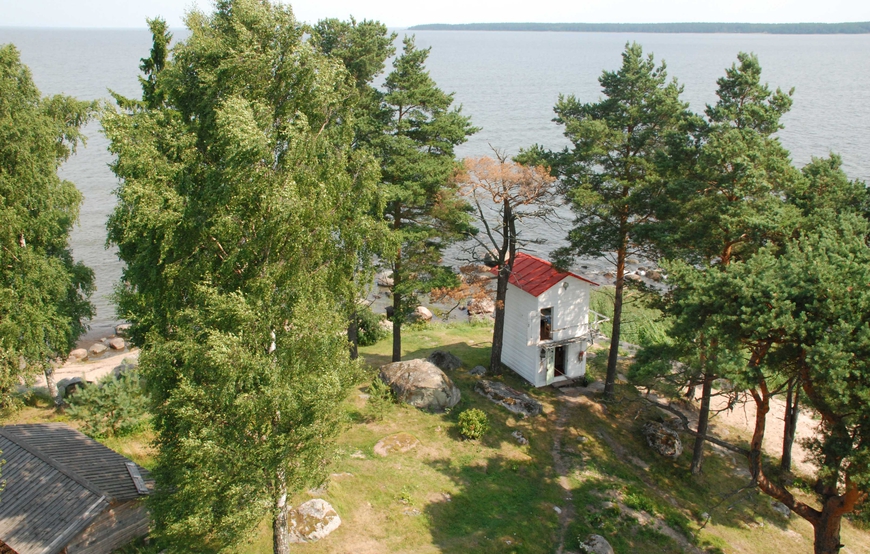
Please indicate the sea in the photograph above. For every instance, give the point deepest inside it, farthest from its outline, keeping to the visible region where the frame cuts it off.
(508, 82)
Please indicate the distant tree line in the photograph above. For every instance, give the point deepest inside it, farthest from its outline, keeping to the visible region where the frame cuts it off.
(849, 28)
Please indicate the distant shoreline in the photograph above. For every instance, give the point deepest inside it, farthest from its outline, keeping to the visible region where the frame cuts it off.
(855, 28)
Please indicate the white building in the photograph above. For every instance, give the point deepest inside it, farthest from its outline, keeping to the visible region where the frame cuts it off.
(547, 328)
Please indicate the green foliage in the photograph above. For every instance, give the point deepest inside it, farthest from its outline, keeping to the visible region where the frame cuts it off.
(113, 407)
(369, 327)
(44, 293)
(416, 152)
(243, 207)
(473, 424)
(381, 399)
(642, 324)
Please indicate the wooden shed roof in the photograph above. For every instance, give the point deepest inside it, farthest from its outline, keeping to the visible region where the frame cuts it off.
(57, 482)
(534, 275)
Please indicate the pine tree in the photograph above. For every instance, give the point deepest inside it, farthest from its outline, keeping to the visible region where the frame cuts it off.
(417, 157)
(610, 174)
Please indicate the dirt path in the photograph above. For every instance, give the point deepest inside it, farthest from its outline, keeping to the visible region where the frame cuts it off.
(742, 420)
(563, 406)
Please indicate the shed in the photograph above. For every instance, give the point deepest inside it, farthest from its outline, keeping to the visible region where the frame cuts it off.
(547, 329)
(67, 493)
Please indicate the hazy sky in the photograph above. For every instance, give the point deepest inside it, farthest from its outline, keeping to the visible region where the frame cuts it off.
(402, 13)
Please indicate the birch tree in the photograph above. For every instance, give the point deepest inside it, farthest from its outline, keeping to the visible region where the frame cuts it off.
(242, 208)
(44, 292)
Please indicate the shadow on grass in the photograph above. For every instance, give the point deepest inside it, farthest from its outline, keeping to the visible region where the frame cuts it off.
(504, 505)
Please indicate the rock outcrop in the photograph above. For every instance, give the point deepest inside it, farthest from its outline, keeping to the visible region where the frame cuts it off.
(596, 544)
(444, 360)
(312, 521)
(420, 384)
(664, 441)
(512, 399)
(400, 442)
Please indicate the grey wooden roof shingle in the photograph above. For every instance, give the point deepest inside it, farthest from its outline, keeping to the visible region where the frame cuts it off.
(57, 482)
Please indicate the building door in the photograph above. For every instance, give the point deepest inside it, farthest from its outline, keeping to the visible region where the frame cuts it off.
(551, 364)
(559, 361)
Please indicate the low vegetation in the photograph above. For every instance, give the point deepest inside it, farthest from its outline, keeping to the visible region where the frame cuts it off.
(497, 495)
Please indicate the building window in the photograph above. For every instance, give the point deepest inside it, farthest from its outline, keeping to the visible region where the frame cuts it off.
(547, 324)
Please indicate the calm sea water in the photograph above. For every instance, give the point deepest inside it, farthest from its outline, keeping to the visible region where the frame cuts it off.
(507, 82)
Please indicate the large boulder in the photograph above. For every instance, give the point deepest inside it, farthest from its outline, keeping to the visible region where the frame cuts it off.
(596, 544)
(78, 355)
(663, 440)
(117, 343)
(97, 349)
(512, 399)
(312, 521)
(385, 279)
(420, 384)
(422, 313)
(444, 360)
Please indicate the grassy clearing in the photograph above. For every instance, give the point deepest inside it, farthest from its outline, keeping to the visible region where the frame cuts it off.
(496, 496)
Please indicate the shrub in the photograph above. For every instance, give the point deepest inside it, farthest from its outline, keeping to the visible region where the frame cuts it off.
(473, 424)
(114, 406)
(381, 399)
(369, 330)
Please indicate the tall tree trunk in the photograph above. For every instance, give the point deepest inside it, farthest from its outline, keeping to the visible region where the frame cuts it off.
(51, 384)
(703, 420)
(506, 257)
(613, 355)
(826, 532)
(353, 336)
(280, 538)
(792, 411)
(397, 323)
(498, 328)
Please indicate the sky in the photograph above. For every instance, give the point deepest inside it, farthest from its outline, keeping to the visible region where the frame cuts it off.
(404, 13)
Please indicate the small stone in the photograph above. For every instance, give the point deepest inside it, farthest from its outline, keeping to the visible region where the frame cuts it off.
(780, 508)
(705, 516)
(117, 343)
(557, 509)
(478, 370)
(358, 455)
(97, 349)
(520, 438)
(582, 439)
(79, 354)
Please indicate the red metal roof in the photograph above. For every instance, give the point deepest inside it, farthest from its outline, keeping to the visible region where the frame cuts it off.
(534, 275)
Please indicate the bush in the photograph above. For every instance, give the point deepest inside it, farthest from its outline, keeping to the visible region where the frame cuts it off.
(113, 407)
(369, 330)
(473, 424)
(381, 399)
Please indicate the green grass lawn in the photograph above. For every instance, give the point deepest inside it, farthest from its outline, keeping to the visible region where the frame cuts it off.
(496, 496)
